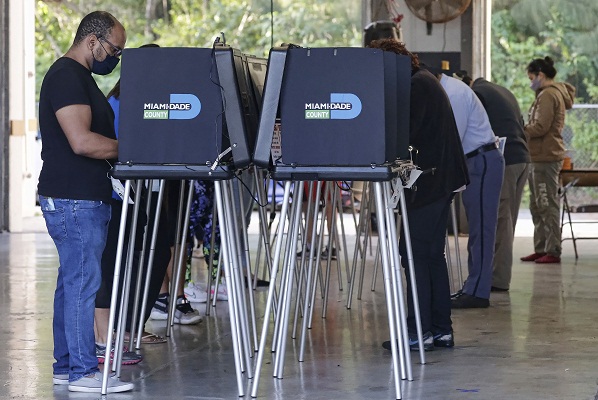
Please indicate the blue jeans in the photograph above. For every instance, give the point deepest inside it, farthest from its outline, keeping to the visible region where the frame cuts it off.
(79, 229)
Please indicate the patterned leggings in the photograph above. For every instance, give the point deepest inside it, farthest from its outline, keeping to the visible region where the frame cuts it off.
(200, 220)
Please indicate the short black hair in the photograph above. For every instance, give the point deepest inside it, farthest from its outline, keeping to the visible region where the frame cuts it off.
(545, 65)
(463, 76)
(99, 23)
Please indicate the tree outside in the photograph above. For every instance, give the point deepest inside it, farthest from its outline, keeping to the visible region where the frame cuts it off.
(246, 24)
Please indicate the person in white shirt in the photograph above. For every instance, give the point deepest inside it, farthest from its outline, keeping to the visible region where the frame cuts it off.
(481, 197)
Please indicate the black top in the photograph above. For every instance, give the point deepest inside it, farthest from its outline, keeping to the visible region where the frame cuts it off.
(505, 118)
(433, 132)
(65, 174)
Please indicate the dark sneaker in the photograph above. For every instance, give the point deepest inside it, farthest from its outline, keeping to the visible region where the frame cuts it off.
(324, 255)
(467, 301)
(548, 259)
(184, 314)
(444, 340)
(92, 383)
(259, 284)
(532, 257)
(262, 283)
(428, 339)
(128, 358)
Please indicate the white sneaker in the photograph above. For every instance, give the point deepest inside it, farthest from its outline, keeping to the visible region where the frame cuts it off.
(160, 310)
(222, 292)
(195, 293)
(93, 384)
(158, 315)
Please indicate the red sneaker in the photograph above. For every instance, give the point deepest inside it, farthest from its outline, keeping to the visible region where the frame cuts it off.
(548, 259)
(533, 257)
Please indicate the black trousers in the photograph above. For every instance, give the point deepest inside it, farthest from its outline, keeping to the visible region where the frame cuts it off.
(427, 227)
(160, 264)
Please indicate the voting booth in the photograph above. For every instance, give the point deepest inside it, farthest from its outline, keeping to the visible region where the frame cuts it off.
(188, 114)
(337, 107)
(181, 110)
(332, 114)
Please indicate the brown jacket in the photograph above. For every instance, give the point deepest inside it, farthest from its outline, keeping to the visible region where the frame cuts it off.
(546, 122)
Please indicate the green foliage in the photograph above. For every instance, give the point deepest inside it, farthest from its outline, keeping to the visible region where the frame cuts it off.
(511, 53)
(245, 23)
(562, 29)
(584, 127)
(247, 26)
(565, 30)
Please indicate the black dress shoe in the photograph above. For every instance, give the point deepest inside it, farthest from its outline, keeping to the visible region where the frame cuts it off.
(428, 340)
(444, 340)
(468, 301)
(498, 289)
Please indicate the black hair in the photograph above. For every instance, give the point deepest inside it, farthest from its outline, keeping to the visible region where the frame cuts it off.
(464, 77)
(545, 65)
(115, 91)
(99, 23)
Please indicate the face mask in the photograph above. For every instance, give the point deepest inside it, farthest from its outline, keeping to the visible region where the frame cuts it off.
(535, 84)
(104, 67)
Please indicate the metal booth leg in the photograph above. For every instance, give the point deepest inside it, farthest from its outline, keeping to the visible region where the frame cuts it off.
(418, 323)
(180, 259)
(379, 191)
(457, 250)
(224, 259)
(124, 303)
(269, 301)
(115, 284)
(150, 260)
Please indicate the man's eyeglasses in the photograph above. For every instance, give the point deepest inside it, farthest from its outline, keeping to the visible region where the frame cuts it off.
(117, 50)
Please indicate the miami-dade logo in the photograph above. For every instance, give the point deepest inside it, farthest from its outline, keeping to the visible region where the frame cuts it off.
(181, 106)
(341, 106)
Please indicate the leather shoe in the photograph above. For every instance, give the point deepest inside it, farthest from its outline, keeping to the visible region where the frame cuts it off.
(468, 301)
(444, 340)
(498, 289)
(532, 257)
(548, 259)
(428, 340)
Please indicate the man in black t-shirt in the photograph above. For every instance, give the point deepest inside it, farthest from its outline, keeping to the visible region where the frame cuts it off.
(76, 124)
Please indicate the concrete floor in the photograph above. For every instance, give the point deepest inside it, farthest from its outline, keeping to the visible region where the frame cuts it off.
(538, 341)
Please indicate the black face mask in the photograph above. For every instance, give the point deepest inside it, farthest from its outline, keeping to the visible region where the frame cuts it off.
(104, 67)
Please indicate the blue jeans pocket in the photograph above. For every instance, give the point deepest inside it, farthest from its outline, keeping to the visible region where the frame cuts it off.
(55, 221)
(88, 204)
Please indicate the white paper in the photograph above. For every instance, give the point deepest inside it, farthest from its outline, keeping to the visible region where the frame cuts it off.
(119, 189)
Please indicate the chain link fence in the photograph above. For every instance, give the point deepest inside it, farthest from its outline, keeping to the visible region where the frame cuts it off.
(581, 140)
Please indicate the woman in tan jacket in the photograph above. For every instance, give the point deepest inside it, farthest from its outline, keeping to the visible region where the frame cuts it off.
(547, 150)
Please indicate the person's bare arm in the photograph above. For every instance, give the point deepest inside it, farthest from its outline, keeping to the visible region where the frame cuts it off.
(75, 121)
